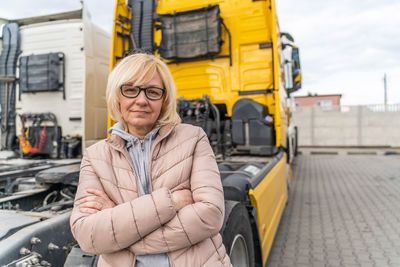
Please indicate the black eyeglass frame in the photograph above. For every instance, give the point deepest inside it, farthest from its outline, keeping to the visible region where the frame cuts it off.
(142, 89)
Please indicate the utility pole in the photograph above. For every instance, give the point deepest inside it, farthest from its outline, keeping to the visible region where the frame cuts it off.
(385, 89)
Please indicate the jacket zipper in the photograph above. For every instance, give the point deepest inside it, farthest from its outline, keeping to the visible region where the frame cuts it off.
(169, 258)
(151, 186)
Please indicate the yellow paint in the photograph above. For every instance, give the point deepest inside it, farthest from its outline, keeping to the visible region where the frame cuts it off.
(269, 198)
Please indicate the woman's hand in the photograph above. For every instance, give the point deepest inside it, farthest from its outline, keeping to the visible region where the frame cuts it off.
(92, 204)
(181, 198)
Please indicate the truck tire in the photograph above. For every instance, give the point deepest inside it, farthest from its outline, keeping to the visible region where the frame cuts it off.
(238, 238)
(288, 150)
(296, 141)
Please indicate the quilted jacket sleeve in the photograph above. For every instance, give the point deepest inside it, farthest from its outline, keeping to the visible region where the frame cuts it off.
(197, 221)
(117, 228)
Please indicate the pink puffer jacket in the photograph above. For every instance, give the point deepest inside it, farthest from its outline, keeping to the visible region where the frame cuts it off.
(181, 158)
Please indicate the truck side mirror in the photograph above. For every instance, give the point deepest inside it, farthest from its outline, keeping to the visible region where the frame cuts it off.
(296, 69)
(293, 71)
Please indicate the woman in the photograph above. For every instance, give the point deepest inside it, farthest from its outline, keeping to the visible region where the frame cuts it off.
(150, 195)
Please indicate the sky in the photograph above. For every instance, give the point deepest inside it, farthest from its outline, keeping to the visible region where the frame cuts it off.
(346, 47)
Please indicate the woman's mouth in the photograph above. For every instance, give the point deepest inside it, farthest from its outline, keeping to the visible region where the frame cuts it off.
(140, 112)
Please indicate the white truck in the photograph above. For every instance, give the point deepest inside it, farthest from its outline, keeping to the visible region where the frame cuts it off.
(62, 67)
(53, 74)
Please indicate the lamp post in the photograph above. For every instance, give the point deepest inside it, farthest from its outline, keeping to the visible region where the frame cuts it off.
(385, 89)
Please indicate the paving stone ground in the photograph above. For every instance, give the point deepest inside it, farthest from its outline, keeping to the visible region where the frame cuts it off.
(342, 211)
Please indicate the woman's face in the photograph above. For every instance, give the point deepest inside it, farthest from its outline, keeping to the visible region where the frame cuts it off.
(141, 113)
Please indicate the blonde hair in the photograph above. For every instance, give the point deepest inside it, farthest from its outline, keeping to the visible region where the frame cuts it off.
(141, 68)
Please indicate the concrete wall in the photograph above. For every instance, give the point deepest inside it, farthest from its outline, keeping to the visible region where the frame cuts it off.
(348, 125)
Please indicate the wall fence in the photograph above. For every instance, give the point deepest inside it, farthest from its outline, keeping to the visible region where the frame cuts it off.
(373, 125)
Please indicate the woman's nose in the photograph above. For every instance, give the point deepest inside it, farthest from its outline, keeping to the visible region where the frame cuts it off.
(141, 97)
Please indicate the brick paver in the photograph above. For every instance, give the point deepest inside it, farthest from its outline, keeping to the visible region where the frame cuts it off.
(342, 211)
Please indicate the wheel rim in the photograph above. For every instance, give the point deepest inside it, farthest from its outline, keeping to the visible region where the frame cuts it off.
(238, 253)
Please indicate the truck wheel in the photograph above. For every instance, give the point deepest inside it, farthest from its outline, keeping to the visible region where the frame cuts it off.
(288, 150)
(296, 141)
(238, 238)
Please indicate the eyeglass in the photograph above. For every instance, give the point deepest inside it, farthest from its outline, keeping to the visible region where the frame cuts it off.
(151, 92)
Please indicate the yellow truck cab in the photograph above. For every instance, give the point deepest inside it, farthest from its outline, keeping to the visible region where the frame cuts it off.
(234, 71)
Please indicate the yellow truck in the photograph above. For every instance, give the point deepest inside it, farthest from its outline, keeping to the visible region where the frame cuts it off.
(234, 71)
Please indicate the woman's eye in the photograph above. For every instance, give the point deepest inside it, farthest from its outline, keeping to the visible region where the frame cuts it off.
(153, 92)
(131, 90)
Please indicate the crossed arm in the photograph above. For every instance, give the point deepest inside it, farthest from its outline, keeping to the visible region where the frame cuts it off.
(98, 200)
